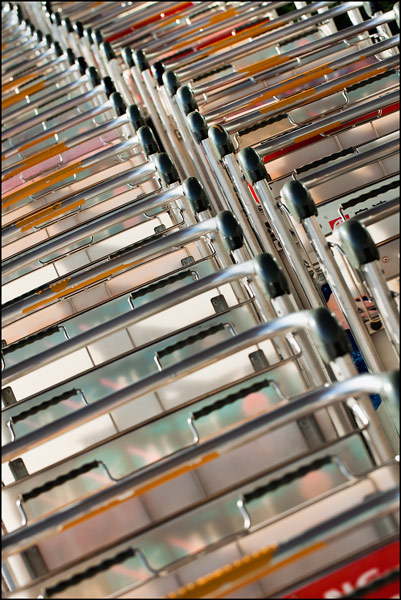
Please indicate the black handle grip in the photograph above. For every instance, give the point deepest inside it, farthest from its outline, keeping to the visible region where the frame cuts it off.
(68, 25)
(147, 289)
(105, 565)
(88, 34)
(190, 340)
(213, 72)
(30, 339)
(221, 140)
(57, 18)
(147, 140)
(140, 60)
(147, 240)
(252, 165)
(186, 99)
(263, 123)
(328, 335)
(82, 65)
(196, 195)
(198, 126)
(171, 81)
(371, 194)
(58, 49)
(70, 56)
(157, 70)
(108, 50)
(135, 117)
(357, 243)
(49, 485)
(118, 103)
(287, 478)
(94, 77)
(109, 86)
(298, 200)
(79, 29)
(324, 160)
(230, 230)
(271, 275)
(166, 169)
(97, 36)
(42, 406)
(219, 404)
(128, 57)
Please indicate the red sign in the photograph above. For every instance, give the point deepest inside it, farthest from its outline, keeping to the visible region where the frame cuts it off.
(356, 575)
(334, 223)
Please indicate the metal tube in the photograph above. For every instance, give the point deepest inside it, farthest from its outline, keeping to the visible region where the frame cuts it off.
(103, 268)
(266, 422)
(91, 227)
(342, 294)
(227, 275)
(384, 301)
(277, 221)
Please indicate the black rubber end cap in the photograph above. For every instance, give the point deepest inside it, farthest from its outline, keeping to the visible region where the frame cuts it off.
(198, 126)
(58, 49)
(329, 337)
(171, 82)
(221, 140)
(68, 25)
(135, 117)
(271, 276)
(147, 140)
(32, 29)
(166, 169)
(157, 70)
(79, 29)
(128, 57)
(108, 85)
(118, 104)
(20, 15)
(39, 35)
(298, 200)
(82, 64)
(49, 40)
(196, 195)
(186, 99)
(97, 36)
(57, 19)
(140, 60)
(94, 76)
(88, 33)
(230, 230)
(357, 243)
(70, 57)
(252, 165)
(108, 50)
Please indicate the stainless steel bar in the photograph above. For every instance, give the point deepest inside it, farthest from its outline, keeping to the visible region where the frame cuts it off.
(283, 414)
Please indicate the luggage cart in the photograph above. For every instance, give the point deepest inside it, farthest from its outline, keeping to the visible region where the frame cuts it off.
(132, 391)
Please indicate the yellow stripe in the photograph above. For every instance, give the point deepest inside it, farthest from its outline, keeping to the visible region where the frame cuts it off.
(18, 96)
(35, 159)
(240, 573)
(267, 63)
(288, 84)
(324, 93)
(17, 82)
(143, 489)
(46, 215)
(30, 144)
(43, 184)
